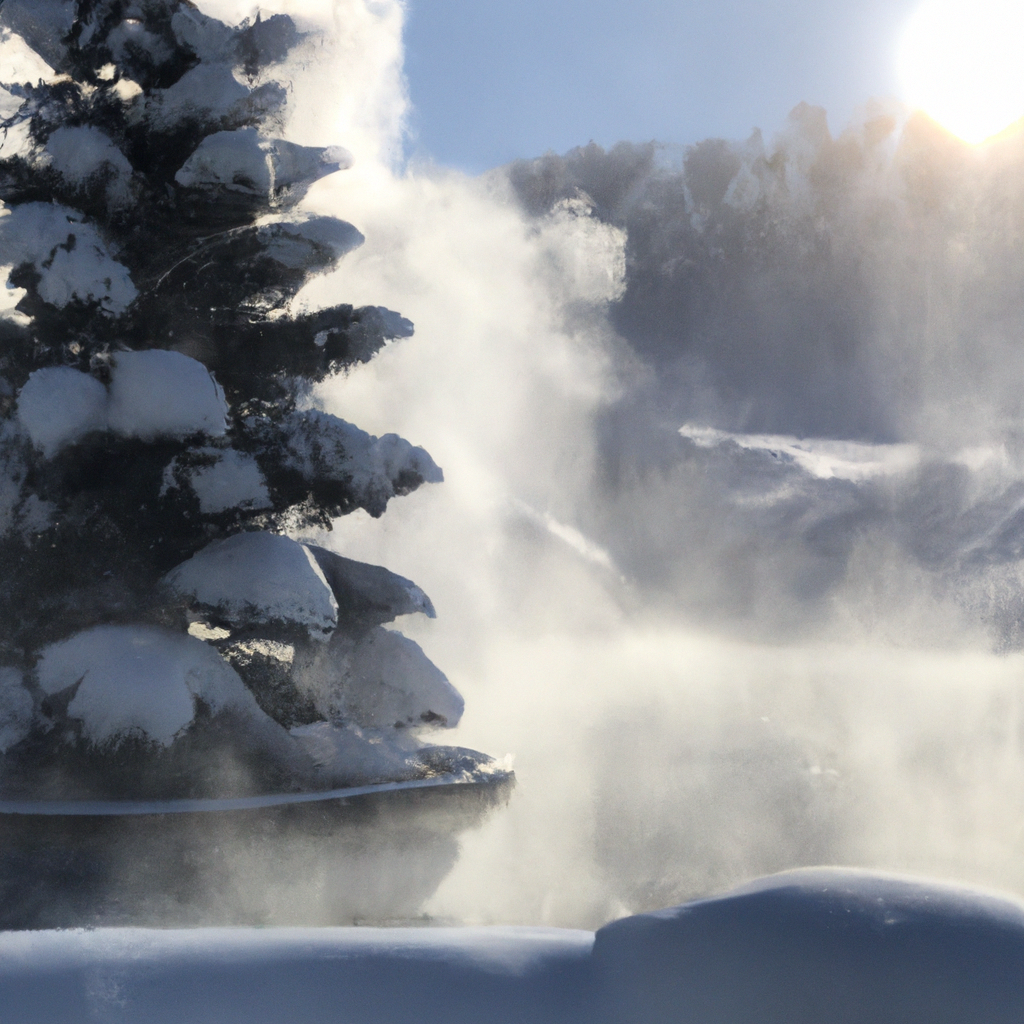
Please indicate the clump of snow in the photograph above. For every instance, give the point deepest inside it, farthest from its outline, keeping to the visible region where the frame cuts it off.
(381, 680)
(16, 708)
(293, 244)
(58, 405)
(131, 35)
(211, 94)
(317, 444)
(230, 479)
(342, 751)
(157, 393)
(80, 154)
(209, 39)
(69, 255)
(245, 161)
(139, 680)
(151, 394)
(259, 578)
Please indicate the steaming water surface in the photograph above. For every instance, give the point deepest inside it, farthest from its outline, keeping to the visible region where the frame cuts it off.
(710, 656)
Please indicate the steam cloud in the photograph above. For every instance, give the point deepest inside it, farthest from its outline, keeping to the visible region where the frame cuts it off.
(788, 634)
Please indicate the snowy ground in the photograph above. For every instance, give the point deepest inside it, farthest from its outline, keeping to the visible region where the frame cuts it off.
(807, 947)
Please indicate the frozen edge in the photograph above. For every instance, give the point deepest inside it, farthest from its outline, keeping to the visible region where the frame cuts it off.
(116, 808)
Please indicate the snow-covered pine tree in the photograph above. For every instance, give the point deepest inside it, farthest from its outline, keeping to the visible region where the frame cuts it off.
(160, 634)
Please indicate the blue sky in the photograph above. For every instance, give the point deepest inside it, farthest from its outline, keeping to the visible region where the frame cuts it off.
(492, 80)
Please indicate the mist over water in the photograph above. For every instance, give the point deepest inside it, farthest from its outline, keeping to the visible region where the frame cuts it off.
(788, 635)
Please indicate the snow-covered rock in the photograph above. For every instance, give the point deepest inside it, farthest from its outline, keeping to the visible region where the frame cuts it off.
(58, 405)
(16, 708)
(258, 578)
(139, 680)
(379, 681)
(157, 393)
(69, 255)
(369, 595)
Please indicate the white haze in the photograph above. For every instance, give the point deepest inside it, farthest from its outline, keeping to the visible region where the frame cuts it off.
(680, 721)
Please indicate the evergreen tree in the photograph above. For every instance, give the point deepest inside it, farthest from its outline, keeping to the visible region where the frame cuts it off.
(160, 633)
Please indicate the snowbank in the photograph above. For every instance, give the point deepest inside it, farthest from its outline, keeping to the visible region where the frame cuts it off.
(821, 946)
(817, 947)
(293, 976)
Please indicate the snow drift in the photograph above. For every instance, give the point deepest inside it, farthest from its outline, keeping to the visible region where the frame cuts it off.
(792, 949)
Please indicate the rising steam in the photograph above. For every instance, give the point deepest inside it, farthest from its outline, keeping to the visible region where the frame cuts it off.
(786, 635)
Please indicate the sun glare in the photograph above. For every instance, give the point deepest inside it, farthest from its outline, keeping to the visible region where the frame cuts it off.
(961, 63)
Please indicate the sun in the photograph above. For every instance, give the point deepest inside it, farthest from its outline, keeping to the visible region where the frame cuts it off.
(961, 62)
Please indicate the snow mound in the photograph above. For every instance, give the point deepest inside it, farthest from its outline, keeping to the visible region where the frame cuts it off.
(259, 578)
(139, 680)
(59, 405)
(16, 708)
(821, 945)
(157, 393)
(369, 595)
(379, 681)
(72, 260)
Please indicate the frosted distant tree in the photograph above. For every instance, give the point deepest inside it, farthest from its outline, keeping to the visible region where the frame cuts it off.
(160, 438)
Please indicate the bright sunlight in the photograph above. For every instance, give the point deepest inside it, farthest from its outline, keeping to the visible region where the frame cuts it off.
(960, 62)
